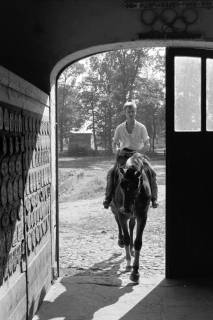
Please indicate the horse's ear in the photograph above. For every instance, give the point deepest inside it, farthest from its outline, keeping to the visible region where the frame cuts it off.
(137, 174)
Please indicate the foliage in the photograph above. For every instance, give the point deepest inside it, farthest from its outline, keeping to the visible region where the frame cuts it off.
(68, 111)
(105, 81)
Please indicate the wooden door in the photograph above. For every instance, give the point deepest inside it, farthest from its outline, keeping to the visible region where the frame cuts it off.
(189, 135)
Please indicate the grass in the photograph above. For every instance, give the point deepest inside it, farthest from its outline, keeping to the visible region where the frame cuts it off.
(82, 179)
(92, 188)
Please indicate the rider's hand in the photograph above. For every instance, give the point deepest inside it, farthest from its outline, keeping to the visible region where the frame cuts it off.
(115, 150)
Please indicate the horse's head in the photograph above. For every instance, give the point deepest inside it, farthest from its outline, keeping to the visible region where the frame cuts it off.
(131, 180)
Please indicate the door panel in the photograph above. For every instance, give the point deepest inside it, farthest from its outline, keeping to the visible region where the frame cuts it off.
(189, 159)
(209, 94)
(187, 95)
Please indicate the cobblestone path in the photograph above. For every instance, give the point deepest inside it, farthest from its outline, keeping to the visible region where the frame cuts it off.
(88, 240)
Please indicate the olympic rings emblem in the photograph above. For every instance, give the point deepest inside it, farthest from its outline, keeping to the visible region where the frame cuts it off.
(168, 19)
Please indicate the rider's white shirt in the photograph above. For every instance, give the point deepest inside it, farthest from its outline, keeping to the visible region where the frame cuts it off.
(134, 140)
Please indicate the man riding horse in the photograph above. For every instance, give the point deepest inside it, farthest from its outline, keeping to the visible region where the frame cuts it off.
(130, 136)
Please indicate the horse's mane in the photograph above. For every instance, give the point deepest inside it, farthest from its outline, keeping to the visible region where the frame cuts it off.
(135, 161)
(136, 158)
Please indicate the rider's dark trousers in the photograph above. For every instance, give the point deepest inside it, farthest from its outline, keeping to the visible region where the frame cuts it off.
(110, 186)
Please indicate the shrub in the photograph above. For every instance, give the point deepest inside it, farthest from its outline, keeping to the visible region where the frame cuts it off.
(80, 151)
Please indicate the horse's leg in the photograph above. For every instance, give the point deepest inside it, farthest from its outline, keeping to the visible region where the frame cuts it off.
(141, 222)
(131, 229)
(120, 233)
(126, 237)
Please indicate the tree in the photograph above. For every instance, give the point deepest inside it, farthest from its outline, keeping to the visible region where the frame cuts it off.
(68, 112)
(111, 78)
(117, 73)
(151, 108)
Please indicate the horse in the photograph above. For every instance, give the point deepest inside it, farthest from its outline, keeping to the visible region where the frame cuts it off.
(130, 203)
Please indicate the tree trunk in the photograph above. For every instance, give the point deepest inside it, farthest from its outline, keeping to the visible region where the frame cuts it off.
(61, 140)
(105, 128)
(130, 96)
(110, 129)
(62, 121)
(154, 134)
(93, 127)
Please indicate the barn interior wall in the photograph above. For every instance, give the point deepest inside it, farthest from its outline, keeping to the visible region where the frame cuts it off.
(25, 235)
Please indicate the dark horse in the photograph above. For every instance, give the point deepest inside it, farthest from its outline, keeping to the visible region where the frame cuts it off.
(130, 204)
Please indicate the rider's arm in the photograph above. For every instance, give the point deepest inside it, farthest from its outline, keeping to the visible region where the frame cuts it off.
(145, 147)
(115, 141)
(115, 147)
(145, 140)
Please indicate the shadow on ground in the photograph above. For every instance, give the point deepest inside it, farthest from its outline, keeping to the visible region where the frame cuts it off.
(176, 300)
(80, 296)
(104, 296)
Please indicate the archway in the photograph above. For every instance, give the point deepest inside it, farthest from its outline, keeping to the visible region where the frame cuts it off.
(84, 53)
(83, 165)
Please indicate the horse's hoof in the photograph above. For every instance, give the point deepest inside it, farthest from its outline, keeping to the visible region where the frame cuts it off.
(134, 276)
(121, 243)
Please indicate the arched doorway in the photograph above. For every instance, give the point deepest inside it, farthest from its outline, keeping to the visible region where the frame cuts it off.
(82, 169)
(173, 267)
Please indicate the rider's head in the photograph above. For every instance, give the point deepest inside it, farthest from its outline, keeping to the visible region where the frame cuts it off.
(130, 110)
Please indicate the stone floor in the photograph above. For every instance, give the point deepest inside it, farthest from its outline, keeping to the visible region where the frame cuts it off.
(98, 298)
(94, 284)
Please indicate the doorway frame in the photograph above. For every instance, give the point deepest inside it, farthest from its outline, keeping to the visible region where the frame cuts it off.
(56, 71)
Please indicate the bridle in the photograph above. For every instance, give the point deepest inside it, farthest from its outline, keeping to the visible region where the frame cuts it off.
(137, 176)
